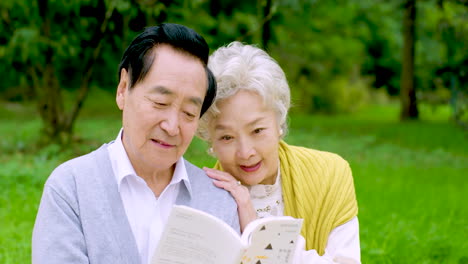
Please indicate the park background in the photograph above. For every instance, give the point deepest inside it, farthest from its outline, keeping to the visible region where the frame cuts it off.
(382, 83)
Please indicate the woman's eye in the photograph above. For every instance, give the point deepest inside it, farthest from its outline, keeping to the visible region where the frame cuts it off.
(226, 137)
(258, 130)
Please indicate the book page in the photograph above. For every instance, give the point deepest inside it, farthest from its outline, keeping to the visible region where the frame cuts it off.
(195, 237)
(271, 240)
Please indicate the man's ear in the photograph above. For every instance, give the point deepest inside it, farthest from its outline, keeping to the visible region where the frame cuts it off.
(122, 89)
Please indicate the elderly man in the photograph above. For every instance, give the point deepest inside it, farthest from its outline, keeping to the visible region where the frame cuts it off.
(111, 205)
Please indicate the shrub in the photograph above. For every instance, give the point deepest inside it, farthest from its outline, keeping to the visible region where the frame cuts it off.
(338, 95)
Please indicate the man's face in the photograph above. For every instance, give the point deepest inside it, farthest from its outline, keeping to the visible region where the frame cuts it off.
(161, 112)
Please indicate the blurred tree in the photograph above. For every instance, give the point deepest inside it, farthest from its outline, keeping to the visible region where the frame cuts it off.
(409, 107)
(381, 35)
(319, 45)
(242, 20)
(453, 32)
(331, 51)
(266, 27)
(56, 47)
(56, 43)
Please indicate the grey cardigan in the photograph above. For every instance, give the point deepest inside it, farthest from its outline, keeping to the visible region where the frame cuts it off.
(81, 217)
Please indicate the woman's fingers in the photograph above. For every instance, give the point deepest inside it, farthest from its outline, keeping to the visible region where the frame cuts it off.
(226, 181)
(223, 184)
(238, 191)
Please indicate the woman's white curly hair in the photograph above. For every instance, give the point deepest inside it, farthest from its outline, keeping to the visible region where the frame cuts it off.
(245, 67)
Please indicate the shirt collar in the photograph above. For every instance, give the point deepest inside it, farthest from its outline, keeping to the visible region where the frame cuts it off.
(180, 175)
(120, 161)
(123, 167)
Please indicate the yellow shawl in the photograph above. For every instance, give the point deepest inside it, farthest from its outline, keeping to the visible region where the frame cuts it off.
(318, 187)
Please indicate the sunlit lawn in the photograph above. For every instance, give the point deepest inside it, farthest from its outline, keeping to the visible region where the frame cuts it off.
(410, 177)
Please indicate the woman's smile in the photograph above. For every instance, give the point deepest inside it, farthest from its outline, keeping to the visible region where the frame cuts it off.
(252, 168)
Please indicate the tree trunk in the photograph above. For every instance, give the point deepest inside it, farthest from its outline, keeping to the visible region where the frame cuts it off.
(409, 107)
(49, 104)
(90, 61)
(57, 123)
(47, 89)
(266, 28)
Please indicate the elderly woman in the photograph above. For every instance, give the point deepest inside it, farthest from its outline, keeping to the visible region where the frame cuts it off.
(265, 175)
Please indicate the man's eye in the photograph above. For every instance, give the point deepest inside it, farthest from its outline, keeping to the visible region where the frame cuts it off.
(156, 103)
(190, 115)
(159, 104)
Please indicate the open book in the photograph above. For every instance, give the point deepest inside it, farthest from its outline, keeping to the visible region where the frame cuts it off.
(195, 237)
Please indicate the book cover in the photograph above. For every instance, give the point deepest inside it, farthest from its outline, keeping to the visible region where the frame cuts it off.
(195, 237)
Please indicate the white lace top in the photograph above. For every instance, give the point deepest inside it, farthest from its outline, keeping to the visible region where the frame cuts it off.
(268, 199)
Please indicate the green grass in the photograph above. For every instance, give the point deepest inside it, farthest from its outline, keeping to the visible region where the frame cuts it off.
(410, 181)
(410, 177)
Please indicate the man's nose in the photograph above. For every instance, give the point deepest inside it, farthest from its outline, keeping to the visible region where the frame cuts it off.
(170, 124)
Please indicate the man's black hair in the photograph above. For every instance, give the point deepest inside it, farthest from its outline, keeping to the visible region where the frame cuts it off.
(138, 58)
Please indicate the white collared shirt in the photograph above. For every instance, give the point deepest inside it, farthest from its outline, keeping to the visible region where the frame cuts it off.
(343, 241)
(146, 213)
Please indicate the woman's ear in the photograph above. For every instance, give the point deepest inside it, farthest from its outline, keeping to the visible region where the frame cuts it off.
(122, 89)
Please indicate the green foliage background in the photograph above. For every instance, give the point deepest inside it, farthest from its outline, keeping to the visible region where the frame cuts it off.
(341, 57)
(410, 178)
(356, 42)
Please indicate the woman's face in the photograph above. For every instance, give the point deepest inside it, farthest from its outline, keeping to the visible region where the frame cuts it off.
(245, 137)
